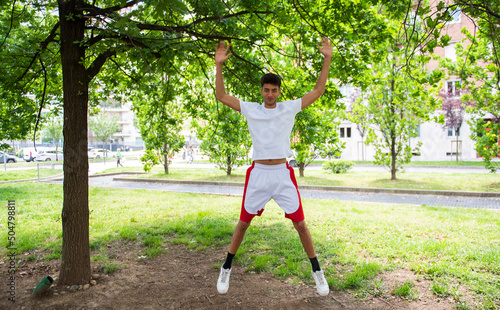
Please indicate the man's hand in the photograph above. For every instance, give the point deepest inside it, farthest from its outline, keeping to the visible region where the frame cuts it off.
(326, 47)
(221, 52)
(221, 55)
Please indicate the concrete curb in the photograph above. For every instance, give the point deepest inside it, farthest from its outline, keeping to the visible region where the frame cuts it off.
(326, 188)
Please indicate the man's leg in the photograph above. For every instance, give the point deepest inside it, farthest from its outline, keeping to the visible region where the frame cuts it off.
(225, 270)
(318, 275)
(305, 238)
(239, 233)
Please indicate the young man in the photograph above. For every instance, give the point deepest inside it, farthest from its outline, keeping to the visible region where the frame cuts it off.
(270, 125)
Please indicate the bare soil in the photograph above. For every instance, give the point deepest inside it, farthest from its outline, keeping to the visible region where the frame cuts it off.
(183, 278)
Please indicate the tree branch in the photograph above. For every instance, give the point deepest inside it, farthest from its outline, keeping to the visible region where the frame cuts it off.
(11, 24)
(213, 18)
(94, 40)
(97, 64)
(41, 102)
(96, 11)
(43, 46)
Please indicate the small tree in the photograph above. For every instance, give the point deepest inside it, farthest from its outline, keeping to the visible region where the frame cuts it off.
(454, 112)
(478, 67)
(226, 139)
(103, 127)
(160, 117)
(400, 96)
(53, 131)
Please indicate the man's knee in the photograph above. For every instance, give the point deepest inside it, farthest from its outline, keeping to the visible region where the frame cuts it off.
(242, 226)
(300, 226)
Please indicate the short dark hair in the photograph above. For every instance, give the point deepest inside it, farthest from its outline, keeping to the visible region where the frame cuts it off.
(270, 78)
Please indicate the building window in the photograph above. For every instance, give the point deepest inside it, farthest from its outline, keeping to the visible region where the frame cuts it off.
(456, 15)
(417, 131)
(453, 88)
(346, 90)
(345, 132)
(450, 51)
(451, 132)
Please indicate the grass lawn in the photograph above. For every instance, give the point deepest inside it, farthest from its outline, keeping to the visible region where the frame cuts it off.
(482, 182)
(458, 249)
(10, 175)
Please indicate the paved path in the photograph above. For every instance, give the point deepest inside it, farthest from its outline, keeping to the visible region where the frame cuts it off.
(237, 190)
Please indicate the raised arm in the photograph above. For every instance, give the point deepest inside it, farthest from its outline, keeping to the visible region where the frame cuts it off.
(319, 88)
(221, 55)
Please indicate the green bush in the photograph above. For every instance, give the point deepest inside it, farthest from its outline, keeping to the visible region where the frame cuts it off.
(338, 165)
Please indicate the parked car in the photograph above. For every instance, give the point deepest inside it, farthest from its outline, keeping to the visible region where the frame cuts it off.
(29, 154)
(49, 155)
(92, 153)
(99, 153)
(10, 158)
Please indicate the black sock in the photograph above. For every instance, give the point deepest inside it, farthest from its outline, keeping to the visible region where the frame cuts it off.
(229, 260)
(315, 264)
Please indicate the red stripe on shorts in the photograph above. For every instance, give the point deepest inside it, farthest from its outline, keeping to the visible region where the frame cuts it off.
(298, 215)
(244, 215)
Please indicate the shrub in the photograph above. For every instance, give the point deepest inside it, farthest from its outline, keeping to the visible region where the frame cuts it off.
(338, 165)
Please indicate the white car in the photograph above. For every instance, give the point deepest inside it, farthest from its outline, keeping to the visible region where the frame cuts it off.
(29, 154)
(49, 155)
(92, 153)
(99, 153)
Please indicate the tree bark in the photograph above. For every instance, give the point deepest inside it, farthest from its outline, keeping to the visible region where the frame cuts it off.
(165, 158)
(228, 171)
(75, 267)
(302, 167)
(393, 159)
(393, 133)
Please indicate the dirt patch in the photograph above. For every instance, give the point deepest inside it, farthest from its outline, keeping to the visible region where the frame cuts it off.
(186, 279)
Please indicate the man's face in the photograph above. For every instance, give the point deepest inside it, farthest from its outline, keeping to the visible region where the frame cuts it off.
(270, 94)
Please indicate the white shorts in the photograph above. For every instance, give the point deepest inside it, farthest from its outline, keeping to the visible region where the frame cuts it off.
(264, 182)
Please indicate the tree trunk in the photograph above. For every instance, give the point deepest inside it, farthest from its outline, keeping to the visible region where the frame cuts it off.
(393, 158)
(165, 158)
(302, 167)
(362, 148)
(393, 134)
(228, 171)
(75, 267)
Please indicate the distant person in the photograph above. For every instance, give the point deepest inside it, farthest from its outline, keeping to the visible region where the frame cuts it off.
(118, 158)
(190, 154)
(270, 177)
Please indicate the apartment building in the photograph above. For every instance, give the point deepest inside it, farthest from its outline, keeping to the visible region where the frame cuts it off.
(127, 136)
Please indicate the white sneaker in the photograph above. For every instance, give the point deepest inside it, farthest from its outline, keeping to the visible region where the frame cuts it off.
(223, 281)
(321, 285)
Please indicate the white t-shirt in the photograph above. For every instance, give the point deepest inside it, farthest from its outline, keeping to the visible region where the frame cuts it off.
(270, 129)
